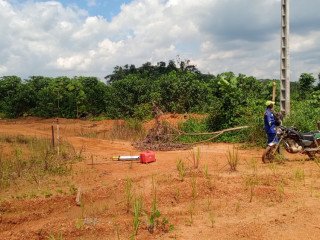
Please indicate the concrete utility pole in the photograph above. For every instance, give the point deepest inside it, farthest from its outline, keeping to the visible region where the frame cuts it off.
(284, 59)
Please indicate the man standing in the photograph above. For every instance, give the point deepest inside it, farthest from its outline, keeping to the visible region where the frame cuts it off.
(270, 124)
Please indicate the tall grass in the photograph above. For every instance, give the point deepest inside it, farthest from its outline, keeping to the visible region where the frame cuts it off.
(128, 193)
(182, 169)
(233, 159)
(30, 158)
(131, 129)
(137, 211)
(155, 213)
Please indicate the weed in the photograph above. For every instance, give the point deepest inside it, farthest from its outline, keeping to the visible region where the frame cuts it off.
(209, 178)
(233, 159)
(117, 231)
(31, 159)
(128, 193)
(273, 168)
(212, 218)
(137, 210)
(206, 171)
(196, 158)
(312, 187)
(166, 226)
(177, 195)
(131, 129)
(191, 211)
(317, 162)
(182, 170)
(280, 190)
(155, 213)
(251, 181)
(79, 223)
(52, 236)
(209, 203)
(253, 164)
(193, 187)
(72, 189)
(47, 193)
(299, 175)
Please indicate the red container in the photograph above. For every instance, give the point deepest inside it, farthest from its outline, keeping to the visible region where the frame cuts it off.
(147, 157)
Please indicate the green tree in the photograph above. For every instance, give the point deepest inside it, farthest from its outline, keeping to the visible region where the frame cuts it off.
(306, 82)
(14, 97)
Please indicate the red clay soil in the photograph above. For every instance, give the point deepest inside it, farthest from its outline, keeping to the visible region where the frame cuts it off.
(258, 201)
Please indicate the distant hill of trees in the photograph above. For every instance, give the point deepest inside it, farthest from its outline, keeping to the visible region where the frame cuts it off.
(130, 92)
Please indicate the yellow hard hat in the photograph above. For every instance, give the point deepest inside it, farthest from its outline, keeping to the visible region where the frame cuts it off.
(268, 103)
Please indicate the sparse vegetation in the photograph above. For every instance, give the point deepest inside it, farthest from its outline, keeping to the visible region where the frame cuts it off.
(31, 159)
(137, 211)
(155, 213)
(233, 159)
(182, 170)
(196, 158)
(251, 182)
(128, 193)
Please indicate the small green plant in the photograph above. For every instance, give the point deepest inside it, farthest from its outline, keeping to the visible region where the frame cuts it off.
(166, 226)
(253, 164)
(273, 168)
(128, 193)
(206, 171)
(137, 211)
(299, 175)
(191, 211)
(182, 170)
(155, 213)
(208, 177)
(47, 193)
(209, 203)
(251, 182)
(233, 159)
(53, 236)
(280, 190)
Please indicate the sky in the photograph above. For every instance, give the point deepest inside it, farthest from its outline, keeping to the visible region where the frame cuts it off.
(91, 37)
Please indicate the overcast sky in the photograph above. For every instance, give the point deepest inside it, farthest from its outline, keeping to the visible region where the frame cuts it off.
(91, 37)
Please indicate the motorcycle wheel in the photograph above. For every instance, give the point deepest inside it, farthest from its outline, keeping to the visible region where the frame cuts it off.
(268, 154)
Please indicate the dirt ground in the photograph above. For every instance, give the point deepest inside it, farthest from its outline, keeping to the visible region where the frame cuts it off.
(258, 201)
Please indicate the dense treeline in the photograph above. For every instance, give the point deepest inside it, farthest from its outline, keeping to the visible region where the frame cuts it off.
(131, 92)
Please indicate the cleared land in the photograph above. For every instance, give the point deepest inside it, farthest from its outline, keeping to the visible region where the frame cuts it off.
(201, 200)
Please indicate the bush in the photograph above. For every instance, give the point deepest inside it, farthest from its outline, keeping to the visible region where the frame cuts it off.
(194, 125)
(303, 116)
(143, 111)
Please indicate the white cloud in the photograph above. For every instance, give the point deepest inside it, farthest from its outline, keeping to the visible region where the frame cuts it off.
(47, 38)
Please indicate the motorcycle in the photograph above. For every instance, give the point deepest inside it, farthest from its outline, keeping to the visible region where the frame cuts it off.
(294, 142)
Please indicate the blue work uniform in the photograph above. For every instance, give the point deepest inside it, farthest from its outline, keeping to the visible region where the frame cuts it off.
(270, 127)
